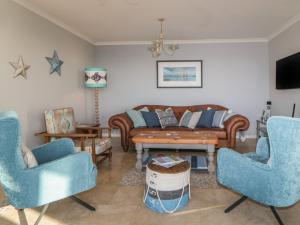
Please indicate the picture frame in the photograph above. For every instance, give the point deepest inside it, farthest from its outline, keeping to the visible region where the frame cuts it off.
(179, 74)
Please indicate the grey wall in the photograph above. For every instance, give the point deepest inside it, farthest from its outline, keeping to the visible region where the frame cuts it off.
(234, 75)
(24, 33)
(283, 45)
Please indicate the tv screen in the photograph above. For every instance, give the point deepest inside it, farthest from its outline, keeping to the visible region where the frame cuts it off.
(288, 72)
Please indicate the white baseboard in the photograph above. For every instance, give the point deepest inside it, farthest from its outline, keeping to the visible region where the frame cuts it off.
(251, 136)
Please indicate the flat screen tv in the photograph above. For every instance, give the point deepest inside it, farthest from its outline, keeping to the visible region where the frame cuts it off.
(288, 72)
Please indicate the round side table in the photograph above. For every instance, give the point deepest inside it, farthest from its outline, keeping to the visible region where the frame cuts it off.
(167, 189)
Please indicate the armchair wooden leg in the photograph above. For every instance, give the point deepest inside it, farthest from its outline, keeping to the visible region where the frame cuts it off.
(94, 151)
(110, 154)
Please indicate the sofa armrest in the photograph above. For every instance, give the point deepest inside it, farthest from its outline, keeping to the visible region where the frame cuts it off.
(124, 123)
(234, 124)
(119, 120)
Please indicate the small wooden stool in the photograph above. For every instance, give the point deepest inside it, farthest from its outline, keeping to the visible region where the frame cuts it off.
(167, 189)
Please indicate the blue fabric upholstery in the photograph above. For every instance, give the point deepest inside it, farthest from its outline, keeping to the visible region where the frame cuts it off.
(61, 172)
(271, 175)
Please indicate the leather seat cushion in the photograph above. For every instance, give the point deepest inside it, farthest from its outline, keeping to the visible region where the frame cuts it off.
(220, 132)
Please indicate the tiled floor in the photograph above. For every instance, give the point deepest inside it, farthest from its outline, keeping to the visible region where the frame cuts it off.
(119, 205)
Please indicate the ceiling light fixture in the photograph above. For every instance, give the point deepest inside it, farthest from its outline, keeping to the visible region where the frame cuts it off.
(158, 45)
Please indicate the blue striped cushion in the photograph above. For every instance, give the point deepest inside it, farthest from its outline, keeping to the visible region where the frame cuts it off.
(136, 117)
(185, 119)
(219, 119)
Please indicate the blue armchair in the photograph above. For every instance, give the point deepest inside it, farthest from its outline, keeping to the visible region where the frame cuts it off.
(270, 176)
(61, 172)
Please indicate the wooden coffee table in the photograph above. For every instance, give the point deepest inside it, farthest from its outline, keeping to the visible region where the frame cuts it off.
(175, 140)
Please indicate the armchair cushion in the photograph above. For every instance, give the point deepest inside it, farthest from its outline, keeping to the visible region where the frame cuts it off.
(101, 145)
(256, 157)
(54, 150)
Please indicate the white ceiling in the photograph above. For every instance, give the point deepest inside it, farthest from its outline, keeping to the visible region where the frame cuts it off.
(134, 21)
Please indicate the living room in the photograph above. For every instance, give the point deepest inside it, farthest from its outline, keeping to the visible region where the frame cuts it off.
(54, 54)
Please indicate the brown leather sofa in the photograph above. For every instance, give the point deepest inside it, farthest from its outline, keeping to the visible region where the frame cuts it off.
(226, 135)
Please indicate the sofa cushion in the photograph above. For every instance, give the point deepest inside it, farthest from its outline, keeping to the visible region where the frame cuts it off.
(151, 119)
(221, 133)
(194, 119)
(166, 118)
(185, 119)
(219, 118)
(206, 119)
(136, 117)
(101, 145)
(190, 119)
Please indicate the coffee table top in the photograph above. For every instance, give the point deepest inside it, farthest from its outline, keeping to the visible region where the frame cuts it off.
(178, 137)
(179, 168)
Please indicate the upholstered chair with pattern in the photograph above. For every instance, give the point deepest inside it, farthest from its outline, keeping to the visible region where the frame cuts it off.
(60, 123)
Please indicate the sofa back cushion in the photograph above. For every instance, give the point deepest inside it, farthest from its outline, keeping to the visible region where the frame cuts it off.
(206, 119)
(219, 118)
(185, 119)
(190, 119)
(166, 118)
(179, 110)
(151, 119)
(136, 117)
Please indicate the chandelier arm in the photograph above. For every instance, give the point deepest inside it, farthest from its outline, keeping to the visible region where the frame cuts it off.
(158, 45)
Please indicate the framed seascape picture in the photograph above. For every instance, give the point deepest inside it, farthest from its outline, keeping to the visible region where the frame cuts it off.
(179, 74)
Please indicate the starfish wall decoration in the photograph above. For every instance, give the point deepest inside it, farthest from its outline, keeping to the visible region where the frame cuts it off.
(20, 68)
(55, 63)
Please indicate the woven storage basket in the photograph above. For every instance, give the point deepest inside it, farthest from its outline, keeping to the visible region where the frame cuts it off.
(167, 192)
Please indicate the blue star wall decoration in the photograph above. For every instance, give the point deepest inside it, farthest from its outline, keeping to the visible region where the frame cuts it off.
(55, 63)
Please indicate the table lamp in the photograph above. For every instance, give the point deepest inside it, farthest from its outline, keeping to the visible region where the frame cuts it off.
(96, 78)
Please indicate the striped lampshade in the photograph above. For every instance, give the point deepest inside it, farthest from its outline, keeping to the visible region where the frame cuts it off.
(95, 77)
